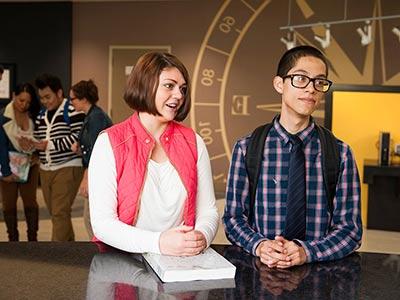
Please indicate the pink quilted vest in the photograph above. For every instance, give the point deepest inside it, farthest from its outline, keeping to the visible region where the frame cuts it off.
(132, 146)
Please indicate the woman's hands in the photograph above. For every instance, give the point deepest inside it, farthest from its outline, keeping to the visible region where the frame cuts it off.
(25, 143)
(84, 186)
(182, 241)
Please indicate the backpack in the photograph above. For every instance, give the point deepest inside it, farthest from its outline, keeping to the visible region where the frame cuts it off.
(330, 162)
(65, 112)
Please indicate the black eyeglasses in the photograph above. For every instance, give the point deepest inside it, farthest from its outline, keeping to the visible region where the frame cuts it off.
(301, 81)
(72, 98)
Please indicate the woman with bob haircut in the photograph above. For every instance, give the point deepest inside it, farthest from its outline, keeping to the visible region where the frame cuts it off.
(150, 182)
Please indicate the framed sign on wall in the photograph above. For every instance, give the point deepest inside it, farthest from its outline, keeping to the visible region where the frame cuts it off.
(7, 82)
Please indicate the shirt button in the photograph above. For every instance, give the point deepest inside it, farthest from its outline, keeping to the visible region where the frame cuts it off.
(167, 138)
(84, 152)
(82, 146)
(147, 141)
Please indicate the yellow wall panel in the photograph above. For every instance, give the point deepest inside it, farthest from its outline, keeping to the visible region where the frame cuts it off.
(357, 119)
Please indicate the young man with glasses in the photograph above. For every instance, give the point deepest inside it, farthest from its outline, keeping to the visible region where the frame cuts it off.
(290, 221)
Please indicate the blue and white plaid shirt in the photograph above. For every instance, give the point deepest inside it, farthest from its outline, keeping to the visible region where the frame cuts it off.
(323, 241)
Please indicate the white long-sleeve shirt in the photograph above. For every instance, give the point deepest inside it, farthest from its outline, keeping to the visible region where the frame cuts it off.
(161, 203)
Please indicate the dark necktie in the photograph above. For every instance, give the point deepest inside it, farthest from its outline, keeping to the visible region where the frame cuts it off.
(296, 193)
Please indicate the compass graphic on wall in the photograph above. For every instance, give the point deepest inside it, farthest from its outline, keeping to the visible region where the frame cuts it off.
(232, 80)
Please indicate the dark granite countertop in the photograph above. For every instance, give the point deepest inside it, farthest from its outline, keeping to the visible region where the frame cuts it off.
(78, 270)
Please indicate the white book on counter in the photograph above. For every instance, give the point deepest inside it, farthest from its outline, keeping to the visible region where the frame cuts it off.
(195, 285)
(208, 265)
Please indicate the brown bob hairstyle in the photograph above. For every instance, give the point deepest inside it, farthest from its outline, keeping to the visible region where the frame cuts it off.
(141, 87)
(86, 89)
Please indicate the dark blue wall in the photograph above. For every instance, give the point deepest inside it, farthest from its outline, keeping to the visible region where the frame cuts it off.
(37, 38)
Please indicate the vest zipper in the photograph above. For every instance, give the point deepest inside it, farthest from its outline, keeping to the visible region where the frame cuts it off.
(141, 188)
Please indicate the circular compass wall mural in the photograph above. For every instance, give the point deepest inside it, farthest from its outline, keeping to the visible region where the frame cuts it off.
(232, 79)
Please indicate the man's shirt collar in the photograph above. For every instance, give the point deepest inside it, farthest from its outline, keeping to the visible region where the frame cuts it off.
(305, 135)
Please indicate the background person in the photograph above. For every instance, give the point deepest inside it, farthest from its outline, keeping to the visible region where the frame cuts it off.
(84, 96)
(150, 182)
(16, 119)
(56, 129)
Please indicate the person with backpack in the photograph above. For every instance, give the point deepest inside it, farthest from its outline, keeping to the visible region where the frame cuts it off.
(293, 192)
(57, 128)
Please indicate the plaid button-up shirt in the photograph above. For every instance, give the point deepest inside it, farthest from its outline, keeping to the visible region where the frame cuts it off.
(324, 240)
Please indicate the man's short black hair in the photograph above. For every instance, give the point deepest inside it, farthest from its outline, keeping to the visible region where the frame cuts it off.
(290, 58)
(48, 80)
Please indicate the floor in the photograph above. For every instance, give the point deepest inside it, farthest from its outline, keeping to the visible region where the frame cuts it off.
(373, 240)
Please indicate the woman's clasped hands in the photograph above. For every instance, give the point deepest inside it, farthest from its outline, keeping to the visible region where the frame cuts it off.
(182, 241)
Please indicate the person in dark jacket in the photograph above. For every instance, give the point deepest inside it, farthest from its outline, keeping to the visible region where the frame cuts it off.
(16, 120)
(84, 96)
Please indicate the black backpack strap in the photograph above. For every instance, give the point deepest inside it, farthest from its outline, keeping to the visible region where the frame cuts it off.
(253, 160)
(42, 111)
(66, 112)
(330, 163)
